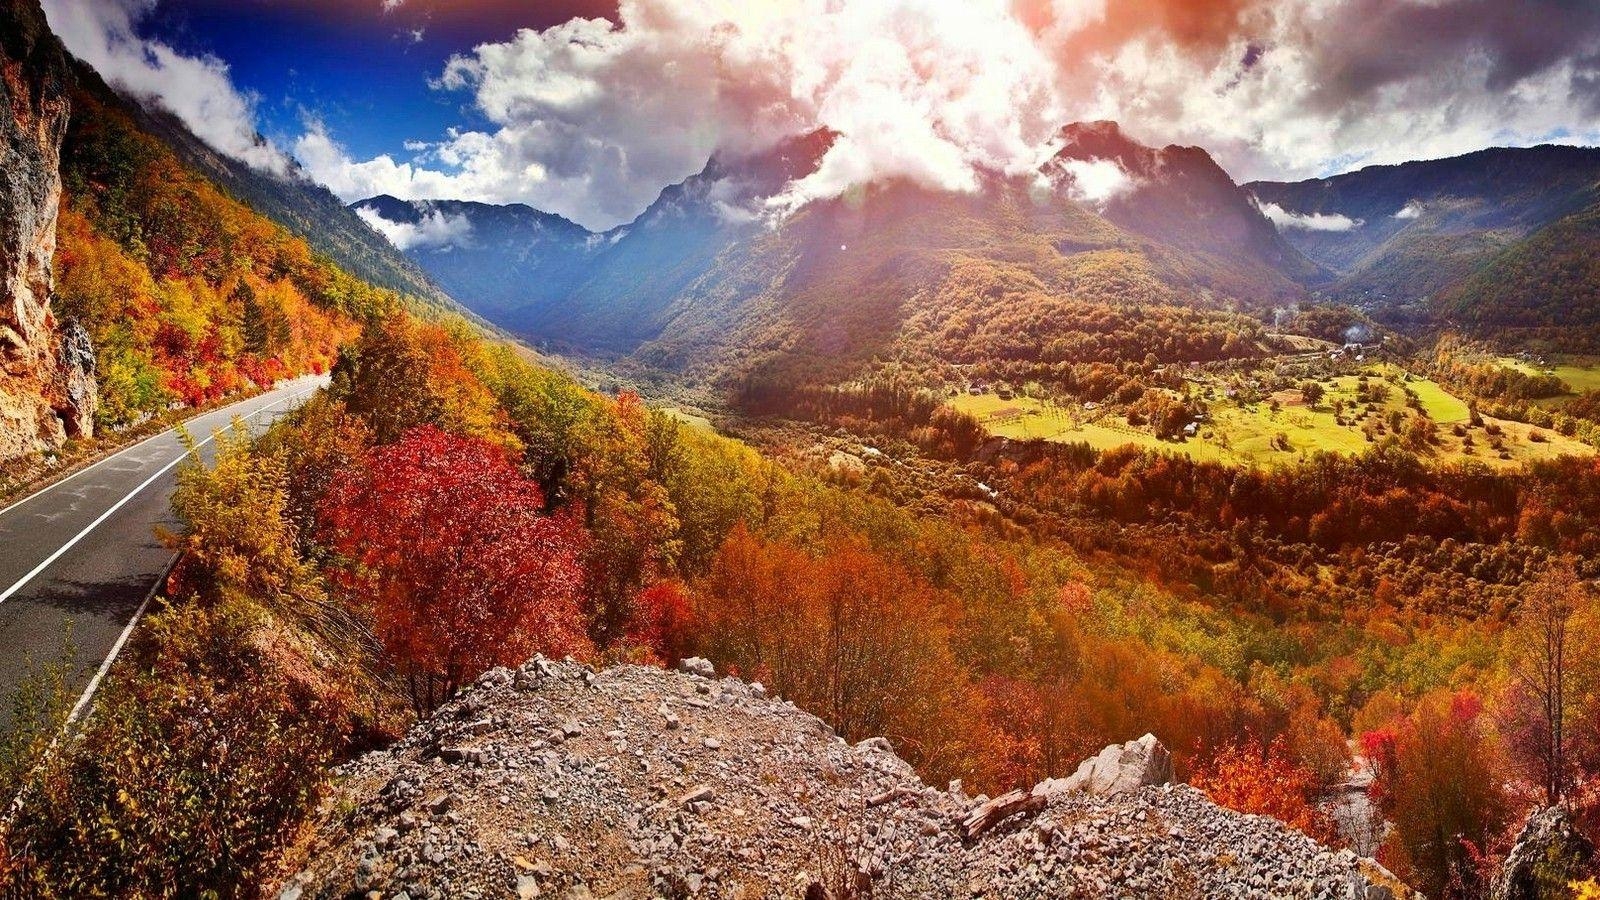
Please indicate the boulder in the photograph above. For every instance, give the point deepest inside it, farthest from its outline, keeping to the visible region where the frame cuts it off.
(1548, 853)
(696, 665)
(1118, 769)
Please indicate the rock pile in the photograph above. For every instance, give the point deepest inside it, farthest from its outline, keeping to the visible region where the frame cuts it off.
(553, 780)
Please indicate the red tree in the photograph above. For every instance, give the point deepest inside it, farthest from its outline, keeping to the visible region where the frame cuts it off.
(1264, 780)
(447, 546)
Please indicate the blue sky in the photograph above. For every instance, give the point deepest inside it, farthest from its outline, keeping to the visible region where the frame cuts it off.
(361, 70)
(588, 108)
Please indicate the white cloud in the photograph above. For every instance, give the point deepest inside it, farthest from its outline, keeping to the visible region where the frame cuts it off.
(590, 120)
(197, 90)
(1095, 181)
(1284, 218)
(1412, 210)
(1312, 87)
(434, 230)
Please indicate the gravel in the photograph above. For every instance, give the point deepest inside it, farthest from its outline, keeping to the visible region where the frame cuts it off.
(553, 780)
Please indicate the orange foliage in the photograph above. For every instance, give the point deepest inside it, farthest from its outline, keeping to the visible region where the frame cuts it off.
(1266, 781)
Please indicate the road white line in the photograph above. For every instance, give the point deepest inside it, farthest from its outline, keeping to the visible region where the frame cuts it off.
(116, 649)
(131, 494)
(98, 463)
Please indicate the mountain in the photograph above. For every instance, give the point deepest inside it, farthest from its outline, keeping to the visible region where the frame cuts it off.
(506, 258)
(294, 201)
(1440, 238)
(544, 277)
(708, 282)
(1182, 198)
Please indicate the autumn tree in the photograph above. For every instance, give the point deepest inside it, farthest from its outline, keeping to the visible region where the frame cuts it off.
(1439, 782)
(237, 539)
(448, 548)
(1266, 780)
(402, 373)
(846, 634)
(1552, 650)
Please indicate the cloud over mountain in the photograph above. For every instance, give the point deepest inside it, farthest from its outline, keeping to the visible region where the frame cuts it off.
(1284, 218)
(196, 89)
(590, 118)
(433, 230)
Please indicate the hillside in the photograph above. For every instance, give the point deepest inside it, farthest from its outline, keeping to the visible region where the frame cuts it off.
(1421, 229)
(297, 203)
(1545, 288)
(706, 284)
(553, 779)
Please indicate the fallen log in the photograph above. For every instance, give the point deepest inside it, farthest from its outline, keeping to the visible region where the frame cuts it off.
(990, 813)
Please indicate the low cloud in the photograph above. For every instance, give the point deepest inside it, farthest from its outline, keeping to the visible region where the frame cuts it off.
(433, 231)
(1412, 210)
(590, 118)
(196, 89)
(1095, 182)
(1284, 218)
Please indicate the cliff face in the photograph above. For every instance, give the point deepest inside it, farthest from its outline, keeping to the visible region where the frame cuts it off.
(47, 389)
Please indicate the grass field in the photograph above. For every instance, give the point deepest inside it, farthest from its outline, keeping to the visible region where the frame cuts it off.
(1440, 405)
(1582, 374)
(1256, 434)
(689, 419)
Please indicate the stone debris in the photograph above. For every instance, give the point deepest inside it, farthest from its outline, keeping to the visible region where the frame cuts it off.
(562, 782)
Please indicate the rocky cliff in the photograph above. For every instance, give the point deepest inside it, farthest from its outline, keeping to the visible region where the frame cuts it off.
(47, 390)
(553, 780)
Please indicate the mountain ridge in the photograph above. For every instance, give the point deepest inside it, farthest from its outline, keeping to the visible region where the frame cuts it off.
(707, 281)
(1419, 231)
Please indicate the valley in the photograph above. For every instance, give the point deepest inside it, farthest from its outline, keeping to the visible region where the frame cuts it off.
(1028, 506)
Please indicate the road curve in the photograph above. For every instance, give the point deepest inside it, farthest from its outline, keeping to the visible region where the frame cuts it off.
(81, 555)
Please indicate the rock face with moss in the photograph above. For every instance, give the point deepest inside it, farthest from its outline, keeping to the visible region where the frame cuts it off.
(47, 389)
(554, 780)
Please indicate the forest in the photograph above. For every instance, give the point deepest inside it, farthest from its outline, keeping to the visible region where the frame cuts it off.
(188, 295)
(448, 506)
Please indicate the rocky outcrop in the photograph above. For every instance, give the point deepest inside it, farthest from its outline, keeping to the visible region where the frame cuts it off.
(1118, 770)
(47, 390)
(1548, 854)
(553, 780)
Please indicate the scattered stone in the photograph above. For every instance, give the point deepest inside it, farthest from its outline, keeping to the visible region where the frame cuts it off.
(782, 806)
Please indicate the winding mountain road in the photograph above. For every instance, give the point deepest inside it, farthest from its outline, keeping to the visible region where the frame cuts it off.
(81, 557)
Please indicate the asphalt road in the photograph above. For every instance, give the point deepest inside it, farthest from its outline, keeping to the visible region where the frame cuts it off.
(81, 556)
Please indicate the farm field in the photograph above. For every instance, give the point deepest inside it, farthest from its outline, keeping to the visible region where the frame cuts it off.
(1582, 374)
(1251, 434)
